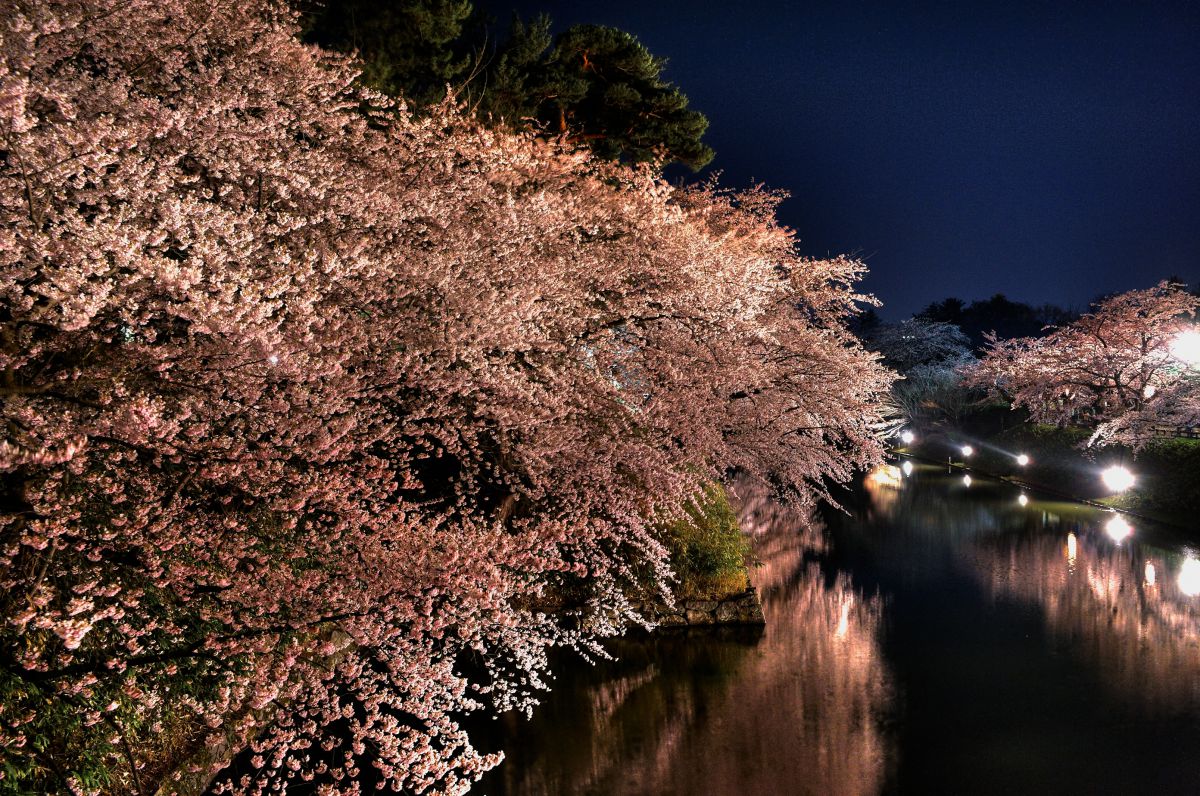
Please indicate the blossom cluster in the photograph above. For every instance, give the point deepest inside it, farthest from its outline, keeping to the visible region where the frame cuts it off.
(312, 407)
(1120, 369)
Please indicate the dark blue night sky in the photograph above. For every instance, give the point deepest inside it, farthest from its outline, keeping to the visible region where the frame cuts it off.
(1050, 152)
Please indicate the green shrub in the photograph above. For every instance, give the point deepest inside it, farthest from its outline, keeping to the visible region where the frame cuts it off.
(708, 549)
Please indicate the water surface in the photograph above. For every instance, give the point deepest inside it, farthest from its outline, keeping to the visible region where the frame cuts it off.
(941, 638)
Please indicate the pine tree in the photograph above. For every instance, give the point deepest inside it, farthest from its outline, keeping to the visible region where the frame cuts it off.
(600, 86)
(597, 86)
(409, 48)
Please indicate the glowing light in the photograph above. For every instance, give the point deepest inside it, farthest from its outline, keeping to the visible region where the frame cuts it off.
(1151, 575)
(1024, 501)
(966, 480)
(1149, 391)
(1189, 577)
(273, 359)
(967, 450)
(1185, 347)
(1072, 548)
(1117, 478)
(843, 625)
(886, 475)
(907, 437)
(1117, 528)
(907, 467)
(1022, 459)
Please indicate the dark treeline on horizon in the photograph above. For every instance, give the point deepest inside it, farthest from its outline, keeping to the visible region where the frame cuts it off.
(998, 315)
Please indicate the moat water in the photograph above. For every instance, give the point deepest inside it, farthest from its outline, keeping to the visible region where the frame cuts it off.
(940, 637)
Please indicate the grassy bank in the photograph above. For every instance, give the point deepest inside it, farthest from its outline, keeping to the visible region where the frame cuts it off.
(1167, 488)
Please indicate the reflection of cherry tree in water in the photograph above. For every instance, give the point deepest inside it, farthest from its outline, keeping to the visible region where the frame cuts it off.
(810, 698)
(764, 518)
(1118, 607)
(709, 713)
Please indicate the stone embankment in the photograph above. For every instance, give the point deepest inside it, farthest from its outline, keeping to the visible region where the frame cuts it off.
(739, 609)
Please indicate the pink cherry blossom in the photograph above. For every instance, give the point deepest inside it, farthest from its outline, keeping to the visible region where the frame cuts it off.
(308, 402)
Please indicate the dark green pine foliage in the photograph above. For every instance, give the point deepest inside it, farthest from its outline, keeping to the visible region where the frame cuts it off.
(409, 48)
(514, 88)
(598, 86)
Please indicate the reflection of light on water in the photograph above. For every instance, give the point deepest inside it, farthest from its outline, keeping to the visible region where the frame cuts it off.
(1108, 608)
(1189, 577)
(814, 684)
(1022, 500)
(907, 467)
(883, 485)
(1117, 528)
(843, 625)
(966, 480)
(887, 475)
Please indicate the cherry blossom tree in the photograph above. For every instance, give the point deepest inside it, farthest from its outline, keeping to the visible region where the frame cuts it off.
(930, 356)
(914, 342)
(1114, 368)
(310, 406)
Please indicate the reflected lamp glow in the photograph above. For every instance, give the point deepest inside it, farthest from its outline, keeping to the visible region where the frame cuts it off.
(907, 467)
(966, 480)
(1022, 499)
(843, 625)
(1022, 459)
(1189, 577)
(1072, 548)
(967, 450)
(1151, 575)
(886, 475)
(1117, 478)
(907, 437)
(1118, 529)
(1185, 347)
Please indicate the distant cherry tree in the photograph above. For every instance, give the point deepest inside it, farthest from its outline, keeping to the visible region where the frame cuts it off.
(1118, 368)
(916, 342)
(311, 407)
(930, 356)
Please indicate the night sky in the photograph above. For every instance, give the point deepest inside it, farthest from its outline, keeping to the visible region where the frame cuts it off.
(1050, 152)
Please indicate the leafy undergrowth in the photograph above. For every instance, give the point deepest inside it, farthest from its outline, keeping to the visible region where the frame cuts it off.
(708, 550)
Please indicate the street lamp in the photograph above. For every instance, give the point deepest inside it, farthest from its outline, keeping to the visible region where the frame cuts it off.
(1022, 459)
(1185, 347)
(967, 450)
(1117, 478)
(907, 437)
